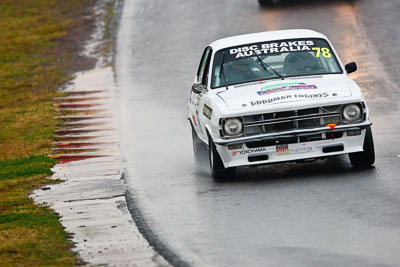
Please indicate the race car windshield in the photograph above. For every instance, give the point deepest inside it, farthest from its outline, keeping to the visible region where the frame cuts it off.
(274, 59)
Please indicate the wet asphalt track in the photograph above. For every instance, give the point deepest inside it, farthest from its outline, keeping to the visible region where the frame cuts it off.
(316, 214)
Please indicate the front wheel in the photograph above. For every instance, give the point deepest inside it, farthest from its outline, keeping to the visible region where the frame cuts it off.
(199, 150)
(364, 158)
(218, 171)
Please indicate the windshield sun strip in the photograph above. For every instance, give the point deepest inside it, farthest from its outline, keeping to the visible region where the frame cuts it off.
(278, 40)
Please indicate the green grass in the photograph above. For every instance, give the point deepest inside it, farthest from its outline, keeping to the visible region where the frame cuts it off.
(25, 167)
(33, 65)
(29, 234)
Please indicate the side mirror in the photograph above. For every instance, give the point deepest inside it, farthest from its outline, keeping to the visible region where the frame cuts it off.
(351, 67)
(198, 88)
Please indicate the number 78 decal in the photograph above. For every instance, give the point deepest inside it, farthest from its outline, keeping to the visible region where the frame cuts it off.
(324, 51)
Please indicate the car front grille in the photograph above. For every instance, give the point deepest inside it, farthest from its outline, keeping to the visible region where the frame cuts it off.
(292, 120)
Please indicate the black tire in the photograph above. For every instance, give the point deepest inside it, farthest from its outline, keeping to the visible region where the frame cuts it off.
(217, 169)
(199, 150)
(266, 3)
(365, 158)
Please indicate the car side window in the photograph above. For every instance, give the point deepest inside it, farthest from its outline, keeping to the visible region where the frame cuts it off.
(204, 66)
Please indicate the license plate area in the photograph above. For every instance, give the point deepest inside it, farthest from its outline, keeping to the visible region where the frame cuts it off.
(290, 149)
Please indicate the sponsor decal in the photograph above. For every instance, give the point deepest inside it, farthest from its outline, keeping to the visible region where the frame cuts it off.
(285, 97)
(207, 111)
(194, 120)
(284, 87)
(282, 149)
(198, 97)
(249, 151)
(198, 121)
(274, 47)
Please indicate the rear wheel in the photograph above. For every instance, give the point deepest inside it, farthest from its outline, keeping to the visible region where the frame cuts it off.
(218, 171)
(365, 158)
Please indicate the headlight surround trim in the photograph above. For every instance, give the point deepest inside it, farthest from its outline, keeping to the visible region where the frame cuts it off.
(229, 124)
(352, 113)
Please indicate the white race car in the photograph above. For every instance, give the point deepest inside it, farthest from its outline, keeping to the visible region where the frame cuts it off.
(277, 96)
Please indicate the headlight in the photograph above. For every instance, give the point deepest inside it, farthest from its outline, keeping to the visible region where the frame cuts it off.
(352, 113)
(233, 126)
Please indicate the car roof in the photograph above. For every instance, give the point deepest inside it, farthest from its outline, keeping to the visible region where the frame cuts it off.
(264, 37)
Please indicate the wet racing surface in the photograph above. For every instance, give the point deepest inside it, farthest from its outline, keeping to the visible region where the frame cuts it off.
(323, 213)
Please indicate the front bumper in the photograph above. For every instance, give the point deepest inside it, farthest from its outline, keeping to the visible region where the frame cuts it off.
(325, 129)
(292, 152)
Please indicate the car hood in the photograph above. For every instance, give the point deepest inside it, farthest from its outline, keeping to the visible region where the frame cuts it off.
(285, 91)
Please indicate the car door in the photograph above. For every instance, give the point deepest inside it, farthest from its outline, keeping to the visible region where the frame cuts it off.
(199, 93)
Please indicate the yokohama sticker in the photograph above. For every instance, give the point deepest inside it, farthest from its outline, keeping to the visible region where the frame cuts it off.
(249, 151)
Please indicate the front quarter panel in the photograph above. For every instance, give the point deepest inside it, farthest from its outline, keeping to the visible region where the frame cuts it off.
(211, 115)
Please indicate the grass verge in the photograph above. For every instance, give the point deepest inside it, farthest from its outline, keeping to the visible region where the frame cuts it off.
(29, 234)
(38, 48)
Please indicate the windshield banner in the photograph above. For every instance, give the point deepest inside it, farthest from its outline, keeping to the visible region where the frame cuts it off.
(272, 48)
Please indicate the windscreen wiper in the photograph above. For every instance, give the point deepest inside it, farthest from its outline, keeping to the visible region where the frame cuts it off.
(221, 70)
(266, 66)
